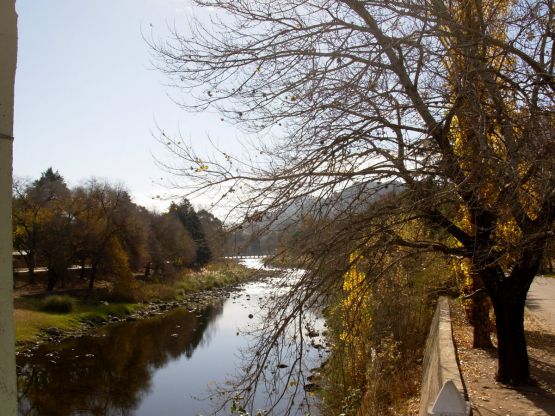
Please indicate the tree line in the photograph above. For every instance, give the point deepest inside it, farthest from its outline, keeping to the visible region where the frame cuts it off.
(97, 226)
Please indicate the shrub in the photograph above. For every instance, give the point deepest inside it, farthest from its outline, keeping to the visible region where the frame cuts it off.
(57, 304)
(377, 344)
(127, 289)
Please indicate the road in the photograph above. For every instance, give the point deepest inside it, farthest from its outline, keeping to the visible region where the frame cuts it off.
(541, 300)
(45, 269)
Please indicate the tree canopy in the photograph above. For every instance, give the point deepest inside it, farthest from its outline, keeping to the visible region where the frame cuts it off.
(415, 126)
(98, 224)
(191, 221)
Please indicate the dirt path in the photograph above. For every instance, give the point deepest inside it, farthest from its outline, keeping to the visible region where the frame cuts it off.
(479, 368)
(541, 301)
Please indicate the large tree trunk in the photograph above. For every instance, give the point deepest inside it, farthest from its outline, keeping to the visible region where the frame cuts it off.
(508, 295)
(8, 59)
(513, 356)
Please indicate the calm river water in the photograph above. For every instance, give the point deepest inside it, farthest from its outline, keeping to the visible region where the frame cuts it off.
(162, 366)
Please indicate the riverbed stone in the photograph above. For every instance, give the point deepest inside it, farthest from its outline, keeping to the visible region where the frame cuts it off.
(53, 331)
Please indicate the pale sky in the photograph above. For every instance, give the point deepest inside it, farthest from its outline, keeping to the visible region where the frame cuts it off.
(87, 100)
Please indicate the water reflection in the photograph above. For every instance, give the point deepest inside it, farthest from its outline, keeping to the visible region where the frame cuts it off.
(108, 374)
(162, 366)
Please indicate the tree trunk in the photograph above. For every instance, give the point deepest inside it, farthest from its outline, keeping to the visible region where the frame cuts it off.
(482, 322)
(52, 278)
(92, 276)
(508, 295)
(480, 315)
(513, 356)
(31, 262)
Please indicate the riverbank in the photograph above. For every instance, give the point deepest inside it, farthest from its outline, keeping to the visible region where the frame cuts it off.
(183, 358)
(377, 329)
(49, 317)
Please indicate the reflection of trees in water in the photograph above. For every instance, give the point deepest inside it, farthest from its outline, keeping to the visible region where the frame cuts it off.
(204, 331)
(63, 380)
(208, 332)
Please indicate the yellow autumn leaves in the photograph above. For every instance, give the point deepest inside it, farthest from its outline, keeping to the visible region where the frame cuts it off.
(356, 320)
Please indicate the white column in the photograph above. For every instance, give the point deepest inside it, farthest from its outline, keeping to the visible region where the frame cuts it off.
(8, 58)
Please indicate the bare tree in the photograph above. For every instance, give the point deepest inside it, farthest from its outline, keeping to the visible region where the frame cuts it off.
(448, 105)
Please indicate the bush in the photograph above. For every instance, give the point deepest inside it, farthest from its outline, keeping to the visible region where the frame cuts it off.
(127, 289)
(378, 343)
(57, 304)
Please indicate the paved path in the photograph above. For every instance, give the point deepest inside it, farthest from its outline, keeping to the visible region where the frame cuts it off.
(45, 269)
(541, 300)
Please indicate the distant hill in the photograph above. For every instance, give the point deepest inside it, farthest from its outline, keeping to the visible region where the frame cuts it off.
(352, 199)
(263, 237)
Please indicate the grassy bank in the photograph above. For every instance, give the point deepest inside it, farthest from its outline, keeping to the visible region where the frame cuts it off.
(215, 275)
(31, 321)
(67, 311)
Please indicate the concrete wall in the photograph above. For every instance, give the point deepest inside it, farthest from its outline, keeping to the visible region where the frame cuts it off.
(8, 57)
(440, 362)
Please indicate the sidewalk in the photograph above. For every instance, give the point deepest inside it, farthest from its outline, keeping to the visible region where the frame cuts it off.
(479, 367)
(541, 301)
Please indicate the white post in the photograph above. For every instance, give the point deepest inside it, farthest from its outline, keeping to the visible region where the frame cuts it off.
(8, 59)
(449, 402)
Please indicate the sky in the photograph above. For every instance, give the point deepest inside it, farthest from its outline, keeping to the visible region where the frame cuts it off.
(88, 99)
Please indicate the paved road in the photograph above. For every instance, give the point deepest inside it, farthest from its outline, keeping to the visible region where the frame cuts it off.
(45, 269)
(541, 300)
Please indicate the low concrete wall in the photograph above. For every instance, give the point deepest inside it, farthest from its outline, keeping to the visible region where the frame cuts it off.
(440, 362)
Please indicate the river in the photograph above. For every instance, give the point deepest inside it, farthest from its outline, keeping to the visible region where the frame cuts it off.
(167, 365)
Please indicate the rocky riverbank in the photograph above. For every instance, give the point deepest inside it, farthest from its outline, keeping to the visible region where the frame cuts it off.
(105, 313)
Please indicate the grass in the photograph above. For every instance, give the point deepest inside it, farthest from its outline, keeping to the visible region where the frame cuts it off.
(34, 314)
(211, 278)
(214, 276)
(58, 304)
(30, 322)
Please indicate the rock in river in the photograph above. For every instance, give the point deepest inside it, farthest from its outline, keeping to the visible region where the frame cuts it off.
(55, 332)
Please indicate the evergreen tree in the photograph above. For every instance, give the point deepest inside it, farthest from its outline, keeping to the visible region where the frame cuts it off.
(189, 218)
(49, 176)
